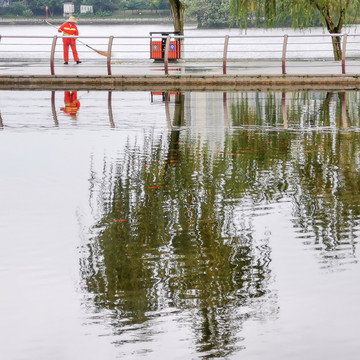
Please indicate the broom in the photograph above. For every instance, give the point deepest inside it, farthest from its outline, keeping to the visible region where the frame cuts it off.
(103, 53)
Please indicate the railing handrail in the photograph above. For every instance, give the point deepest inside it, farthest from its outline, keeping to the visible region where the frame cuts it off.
(259, 36)
(180, 37)
(168, 40)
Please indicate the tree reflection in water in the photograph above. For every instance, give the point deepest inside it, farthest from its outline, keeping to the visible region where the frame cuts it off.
(321, 163)
(172, 238)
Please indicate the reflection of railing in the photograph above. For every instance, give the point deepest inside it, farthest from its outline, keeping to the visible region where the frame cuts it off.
(335, 111)
(331, 113)
(198, 53)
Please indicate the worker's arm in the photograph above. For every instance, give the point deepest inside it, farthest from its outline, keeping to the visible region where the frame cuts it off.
(61, 28)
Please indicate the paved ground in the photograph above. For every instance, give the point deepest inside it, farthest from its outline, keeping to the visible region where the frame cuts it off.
(143, 67)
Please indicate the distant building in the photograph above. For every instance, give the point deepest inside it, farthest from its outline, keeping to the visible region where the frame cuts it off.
(86, 9)
(69, 9)
(5, 3)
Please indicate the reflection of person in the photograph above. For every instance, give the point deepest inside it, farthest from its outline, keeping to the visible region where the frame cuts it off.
(70, 30)
(72, 104)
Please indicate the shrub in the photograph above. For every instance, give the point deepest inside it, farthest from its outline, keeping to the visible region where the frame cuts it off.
(103, 13)
(27, 13)
(17, 8)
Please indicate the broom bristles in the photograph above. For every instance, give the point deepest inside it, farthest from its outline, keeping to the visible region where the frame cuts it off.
(103, 53)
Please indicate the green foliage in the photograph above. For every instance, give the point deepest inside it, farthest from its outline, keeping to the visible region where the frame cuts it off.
(103, 5)
(103, 14)
(88, 15)
(17, 8)
(27, 13)
(159, 4)
(332, 14)
(138, 4)
(102, 8)
(38, 6)
(210, 14)
(123, 4)
(300, 13)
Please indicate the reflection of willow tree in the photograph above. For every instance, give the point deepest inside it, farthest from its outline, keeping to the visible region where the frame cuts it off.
(254, 108)
(324, 181)
(304, 109)
(328, 192)
(177, 247)
(178, 233)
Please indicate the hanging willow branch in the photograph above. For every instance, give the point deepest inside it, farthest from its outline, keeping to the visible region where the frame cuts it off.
(333, 14)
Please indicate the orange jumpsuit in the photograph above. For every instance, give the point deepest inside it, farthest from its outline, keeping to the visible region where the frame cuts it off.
(69, 29)
(72, 104)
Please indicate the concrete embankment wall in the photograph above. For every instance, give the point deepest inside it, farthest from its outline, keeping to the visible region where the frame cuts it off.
(183, 82)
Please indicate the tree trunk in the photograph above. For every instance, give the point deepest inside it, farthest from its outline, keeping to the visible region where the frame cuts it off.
(325, 11)
(344, 112)
(336, 43)
(177, 12)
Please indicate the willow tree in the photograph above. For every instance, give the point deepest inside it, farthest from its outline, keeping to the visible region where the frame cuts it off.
(333, 14)
(177, 12)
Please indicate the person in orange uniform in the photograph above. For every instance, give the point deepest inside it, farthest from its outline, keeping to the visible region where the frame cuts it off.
(72, 104)
(69, 30)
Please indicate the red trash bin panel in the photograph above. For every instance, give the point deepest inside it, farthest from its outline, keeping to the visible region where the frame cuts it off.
(156, 50)
(174, 50)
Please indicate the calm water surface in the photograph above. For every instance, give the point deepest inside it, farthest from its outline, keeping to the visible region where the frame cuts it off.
(179, 226)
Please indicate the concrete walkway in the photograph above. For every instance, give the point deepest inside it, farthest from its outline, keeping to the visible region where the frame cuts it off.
(149, 67)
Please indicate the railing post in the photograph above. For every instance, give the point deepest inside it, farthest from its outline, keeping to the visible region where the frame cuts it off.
(343, 56)
(226, 45)
(53, 108)
(284, 54)
(52, 56)
(226, 113)
(108, 61)
(343, 110)
(166, 56)
(167, 108)
(111, 117)
(283, 109)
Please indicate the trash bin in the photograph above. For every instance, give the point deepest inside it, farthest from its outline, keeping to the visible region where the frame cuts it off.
(157, 48)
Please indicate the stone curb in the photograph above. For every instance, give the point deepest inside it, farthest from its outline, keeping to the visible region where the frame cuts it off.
(186, 82)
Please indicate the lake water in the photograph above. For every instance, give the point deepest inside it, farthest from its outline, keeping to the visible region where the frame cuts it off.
(139, 225)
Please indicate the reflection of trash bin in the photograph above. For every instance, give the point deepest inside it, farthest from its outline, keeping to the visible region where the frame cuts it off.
(162, 94)
(157, 48)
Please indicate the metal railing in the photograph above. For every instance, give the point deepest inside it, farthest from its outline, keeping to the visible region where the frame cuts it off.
(197, 54)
